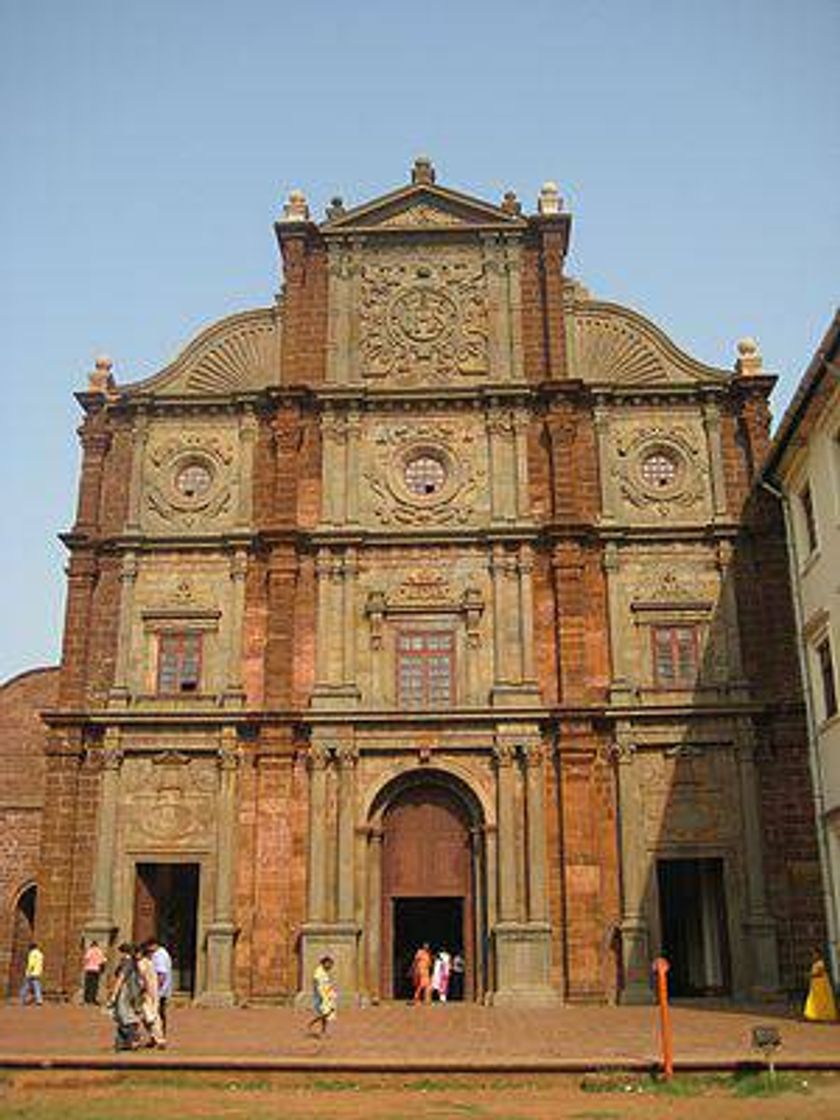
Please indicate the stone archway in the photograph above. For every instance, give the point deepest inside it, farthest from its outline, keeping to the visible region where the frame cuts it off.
(431, 875)
(23, 930)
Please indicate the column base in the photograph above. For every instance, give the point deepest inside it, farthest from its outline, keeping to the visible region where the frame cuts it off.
(760, 935)
(339, 940)
(331, 697)
(219, 989)
(636, 963)
(524, 695)
(523, 955)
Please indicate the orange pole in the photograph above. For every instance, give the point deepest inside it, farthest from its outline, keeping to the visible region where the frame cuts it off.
(661, 967)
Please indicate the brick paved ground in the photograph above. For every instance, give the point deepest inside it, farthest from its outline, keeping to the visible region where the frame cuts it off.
(466, 1035)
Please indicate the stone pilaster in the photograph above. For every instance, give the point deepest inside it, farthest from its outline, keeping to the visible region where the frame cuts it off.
(521, 940)
(759, 927)
(121, 689)
(100, 925)
(635, 935)
(221, 932)
(714, 446)
(234, 690)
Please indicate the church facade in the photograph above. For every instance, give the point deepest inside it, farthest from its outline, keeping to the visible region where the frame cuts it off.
(433, 603)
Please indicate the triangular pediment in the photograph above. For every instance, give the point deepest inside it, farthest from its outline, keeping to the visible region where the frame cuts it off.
(423, 207)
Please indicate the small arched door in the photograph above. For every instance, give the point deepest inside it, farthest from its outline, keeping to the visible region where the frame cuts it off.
(428, 891)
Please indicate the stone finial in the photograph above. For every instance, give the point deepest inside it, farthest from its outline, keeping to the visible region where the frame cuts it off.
(423, 171)
(549, 202)
(335, 208)
(511, 204)
(749, 360)
(101, 378)
(296, 208)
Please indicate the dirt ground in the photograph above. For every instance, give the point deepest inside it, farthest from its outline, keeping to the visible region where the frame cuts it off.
(36, 1095)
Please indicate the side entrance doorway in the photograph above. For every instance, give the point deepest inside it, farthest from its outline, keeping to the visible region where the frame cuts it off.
(694, 929)
(166, 907)
(428, 888)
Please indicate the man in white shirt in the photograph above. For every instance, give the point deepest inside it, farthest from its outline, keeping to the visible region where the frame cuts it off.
(163, 967)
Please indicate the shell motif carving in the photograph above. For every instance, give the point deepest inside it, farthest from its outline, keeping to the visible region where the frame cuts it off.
(423, 317)
(607, 350)
(240, 360)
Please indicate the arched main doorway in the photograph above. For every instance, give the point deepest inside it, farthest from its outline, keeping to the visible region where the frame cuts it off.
(23, 929)
(431, 881)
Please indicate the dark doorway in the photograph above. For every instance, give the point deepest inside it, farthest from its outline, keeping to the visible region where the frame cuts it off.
(693, 919)
(438, 921)
(166, 907)
(23, 930)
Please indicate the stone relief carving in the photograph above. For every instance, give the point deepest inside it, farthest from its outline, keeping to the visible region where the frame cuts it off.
(686, 799)
(169, 800)
(189, 477)
(422, 215)
(423, 314)
(659, 469)
(461, 477)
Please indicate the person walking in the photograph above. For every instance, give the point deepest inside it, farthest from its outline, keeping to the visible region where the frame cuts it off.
(93, 963)
(324, 997)
(150, 998)
(126, 999)
(820, 1006)
(440, 974)
(421, 969)
(31, 990)
(162, 962)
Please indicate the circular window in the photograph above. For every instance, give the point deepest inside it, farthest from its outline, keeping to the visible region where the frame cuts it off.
(193, 480)
(424, 474)
(659, 470)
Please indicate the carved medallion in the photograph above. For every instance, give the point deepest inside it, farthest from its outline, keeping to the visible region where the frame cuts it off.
(189, 478)
(659, 469)
(423, 314)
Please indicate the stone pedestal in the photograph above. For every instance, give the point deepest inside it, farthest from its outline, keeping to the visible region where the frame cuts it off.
(636, 962)
(339, 940)
(523, 955)
(218, 991)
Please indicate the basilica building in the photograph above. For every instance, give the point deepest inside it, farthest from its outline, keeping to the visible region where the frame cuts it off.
(435, 602)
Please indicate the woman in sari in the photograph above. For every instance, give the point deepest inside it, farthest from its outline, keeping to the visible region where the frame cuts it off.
(820, 1006)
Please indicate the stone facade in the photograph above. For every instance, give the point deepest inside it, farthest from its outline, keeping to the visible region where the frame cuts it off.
(439, 537)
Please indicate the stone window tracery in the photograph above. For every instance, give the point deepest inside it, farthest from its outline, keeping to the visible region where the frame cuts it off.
(424, 474)
(659, 470)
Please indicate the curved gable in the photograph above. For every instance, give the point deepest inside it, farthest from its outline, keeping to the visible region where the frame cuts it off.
(613, 345)
(237, 354)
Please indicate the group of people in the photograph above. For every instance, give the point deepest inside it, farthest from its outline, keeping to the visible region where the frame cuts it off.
(437, 977)
(140, 994)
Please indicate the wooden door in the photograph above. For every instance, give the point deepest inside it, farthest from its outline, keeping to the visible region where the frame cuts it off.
(426, 854)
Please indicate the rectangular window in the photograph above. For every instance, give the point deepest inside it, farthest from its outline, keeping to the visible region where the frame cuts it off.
(425, 664)
(179, 662)
(810, 520)
(829, 689)
(675, 656)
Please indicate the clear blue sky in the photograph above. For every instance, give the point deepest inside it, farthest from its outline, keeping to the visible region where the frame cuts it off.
(146, 149)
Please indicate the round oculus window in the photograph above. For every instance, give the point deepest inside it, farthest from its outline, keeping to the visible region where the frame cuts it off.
(659, 470)
(424, 475)
(193, 480)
